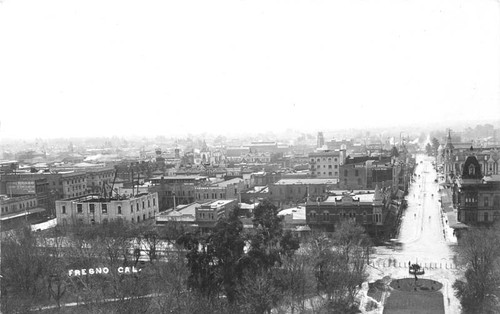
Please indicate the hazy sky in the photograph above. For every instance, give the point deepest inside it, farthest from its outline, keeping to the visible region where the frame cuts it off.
(94, 67)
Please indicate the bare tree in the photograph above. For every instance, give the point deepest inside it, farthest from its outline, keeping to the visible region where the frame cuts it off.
(295, 279)
(258, 292)
(479, 254)
(340, 265)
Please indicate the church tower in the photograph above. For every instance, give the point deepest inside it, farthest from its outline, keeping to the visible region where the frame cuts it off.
(320, 140)
(448, 157)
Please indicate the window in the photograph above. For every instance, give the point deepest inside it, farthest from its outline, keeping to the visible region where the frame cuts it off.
(79, 208)
(336, 166)
(138, 218)
(119, 210)
(149, 203)
(472, 170)
(496, 216)
(329, 166)
(154, 202)
(359, 181)
(486, 201)
(496, 201)
(485, 216)
(137, 208)
(92, 208)
(132, 209)
(143, 205)
(330, 173)
(104, 208)
(356, 173)
(63, 209)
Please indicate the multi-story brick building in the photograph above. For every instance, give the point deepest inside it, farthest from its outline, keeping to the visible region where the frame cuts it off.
(326, 164)
(225, 190)
(17, 209)
(263, 178)
(479, 196)
(17, 204)
(175, 190)
(293, 191)
(100, 179)
(18, 185)
(74, 184)
(353, 176)
(209, 213)
(93, 209)
(452, 156)
(364, 207)
(366, 173)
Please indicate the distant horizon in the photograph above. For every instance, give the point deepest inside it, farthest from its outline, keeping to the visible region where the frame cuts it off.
(124, 68)
(455, 126)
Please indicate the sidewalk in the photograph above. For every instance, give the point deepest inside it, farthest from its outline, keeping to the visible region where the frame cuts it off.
(448, 214)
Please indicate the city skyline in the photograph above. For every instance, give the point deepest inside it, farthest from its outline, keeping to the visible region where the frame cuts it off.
(72, 69)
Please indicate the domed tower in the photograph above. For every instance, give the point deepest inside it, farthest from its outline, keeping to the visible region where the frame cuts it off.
(472, 170)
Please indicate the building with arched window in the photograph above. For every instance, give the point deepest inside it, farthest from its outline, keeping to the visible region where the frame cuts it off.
(364, 207)
(478, 195)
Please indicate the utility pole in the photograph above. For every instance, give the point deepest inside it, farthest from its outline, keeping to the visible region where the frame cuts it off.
(174, 200)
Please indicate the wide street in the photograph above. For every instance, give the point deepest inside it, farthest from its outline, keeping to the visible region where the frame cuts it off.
(424, 238)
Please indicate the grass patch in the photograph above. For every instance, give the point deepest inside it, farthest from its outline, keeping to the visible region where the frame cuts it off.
(409, 285)
(415, 302)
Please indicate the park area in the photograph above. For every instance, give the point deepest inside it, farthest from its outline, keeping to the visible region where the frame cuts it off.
(414, 297)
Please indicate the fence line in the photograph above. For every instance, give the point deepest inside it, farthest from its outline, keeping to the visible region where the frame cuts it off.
(399, 264)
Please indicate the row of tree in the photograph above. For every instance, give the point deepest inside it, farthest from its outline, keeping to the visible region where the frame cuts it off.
(432, 148)
(230, 270)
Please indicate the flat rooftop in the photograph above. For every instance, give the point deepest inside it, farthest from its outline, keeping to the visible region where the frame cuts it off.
(224, 184)
(298, 213)
(182, 177)
(306, 181)
(100, 199)
(364, 198)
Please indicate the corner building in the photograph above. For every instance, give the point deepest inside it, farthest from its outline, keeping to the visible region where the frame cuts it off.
(479, 196)
(91, 209)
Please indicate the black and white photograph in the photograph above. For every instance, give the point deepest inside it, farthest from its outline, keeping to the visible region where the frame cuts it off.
(250, 156)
